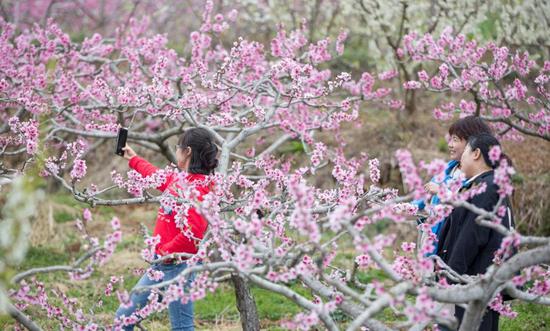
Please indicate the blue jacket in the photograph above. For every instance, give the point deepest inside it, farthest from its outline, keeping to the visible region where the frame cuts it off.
(436, 228)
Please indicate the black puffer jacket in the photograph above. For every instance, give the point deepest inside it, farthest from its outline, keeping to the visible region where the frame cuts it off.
(469, 248)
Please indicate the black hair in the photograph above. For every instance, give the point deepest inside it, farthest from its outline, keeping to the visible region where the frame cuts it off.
(468, 126)
(203, 150)
(484, 142)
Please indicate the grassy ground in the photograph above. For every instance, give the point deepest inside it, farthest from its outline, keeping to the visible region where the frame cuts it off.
(58, 243)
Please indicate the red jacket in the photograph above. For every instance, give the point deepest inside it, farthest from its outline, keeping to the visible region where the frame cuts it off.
(172, 240)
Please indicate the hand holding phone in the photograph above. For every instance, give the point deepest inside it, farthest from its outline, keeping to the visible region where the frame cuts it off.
(121, 141)
(128, 152)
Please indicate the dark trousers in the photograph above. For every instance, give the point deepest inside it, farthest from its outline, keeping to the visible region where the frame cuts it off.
(489, 321)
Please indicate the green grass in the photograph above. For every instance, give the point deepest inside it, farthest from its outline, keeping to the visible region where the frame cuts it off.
(222, 301)
(43, 256)
(366, 278)
(271, 306)
(72, 209)
(6, 322)
(129, 242)
(294, 147)
(530, 317)
(67, 200)
(64, 216)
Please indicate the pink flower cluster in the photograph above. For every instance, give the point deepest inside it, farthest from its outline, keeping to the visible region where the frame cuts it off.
(79, 170)
(303, 321)
(148, 253)
(374, 170)
(410, 173)
(424, 308)
(136, 183)
(494, 154)
(503, 178)
(504, 309)
(302, 219)
(466, 66)
(508, 246)
(318, 154)
(340, 42)
(26, 132)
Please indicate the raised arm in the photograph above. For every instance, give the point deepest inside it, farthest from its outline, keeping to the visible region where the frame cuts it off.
(144, 167)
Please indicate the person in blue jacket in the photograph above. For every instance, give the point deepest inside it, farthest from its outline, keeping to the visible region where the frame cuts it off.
(459, 133)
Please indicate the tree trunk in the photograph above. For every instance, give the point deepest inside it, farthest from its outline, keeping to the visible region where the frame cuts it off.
(410, 102)
(245, 304)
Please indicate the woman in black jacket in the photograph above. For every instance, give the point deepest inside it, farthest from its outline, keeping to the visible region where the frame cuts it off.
(467, 247)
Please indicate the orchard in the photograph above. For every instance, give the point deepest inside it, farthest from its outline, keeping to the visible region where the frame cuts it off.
(299, 206)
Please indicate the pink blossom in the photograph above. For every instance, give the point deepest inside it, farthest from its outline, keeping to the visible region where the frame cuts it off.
(436, 82)
(408, 247)
(456, 85)
(318, 154)
(341, 213)
(409, 171)
(244, 257)
(232, 16)
(503, 174)
(541, 287)
(434, 168)
(441, 115)
(363, 261)
(423, 76)
(387, 75)
(318, 53)
(155, 275)
(87, 215)
(367, 82)
(79, 170)
(303, 321)
(374, 170)
(340, 42)
(115, 224)
(504, 309)
(412, 85)
(494, 154)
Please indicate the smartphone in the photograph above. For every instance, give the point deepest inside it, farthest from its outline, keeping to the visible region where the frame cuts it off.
(121, 141)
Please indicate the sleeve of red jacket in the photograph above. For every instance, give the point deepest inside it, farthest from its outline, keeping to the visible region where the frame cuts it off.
(146, 169)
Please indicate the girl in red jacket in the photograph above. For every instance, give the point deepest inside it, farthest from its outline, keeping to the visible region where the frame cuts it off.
(196, 154)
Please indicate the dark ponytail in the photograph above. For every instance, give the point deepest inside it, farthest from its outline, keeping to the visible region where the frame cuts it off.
(203, 150)
(484, 142)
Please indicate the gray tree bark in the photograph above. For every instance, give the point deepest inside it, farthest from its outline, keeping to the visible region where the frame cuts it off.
(245, 304)
(22, 318)
(245, 301)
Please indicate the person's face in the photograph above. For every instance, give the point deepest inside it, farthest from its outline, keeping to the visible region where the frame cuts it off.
(456, 147)
(469, 161)
(183, 155)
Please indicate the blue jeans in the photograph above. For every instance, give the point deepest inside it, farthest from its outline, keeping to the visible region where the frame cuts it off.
(181, 315)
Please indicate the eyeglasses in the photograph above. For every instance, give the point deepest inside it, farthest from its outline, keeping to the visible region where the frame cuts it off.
(176, 147)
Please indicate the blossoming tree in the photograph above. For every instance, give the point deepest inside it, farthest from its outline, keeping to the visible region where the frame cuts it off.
(270, 224)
